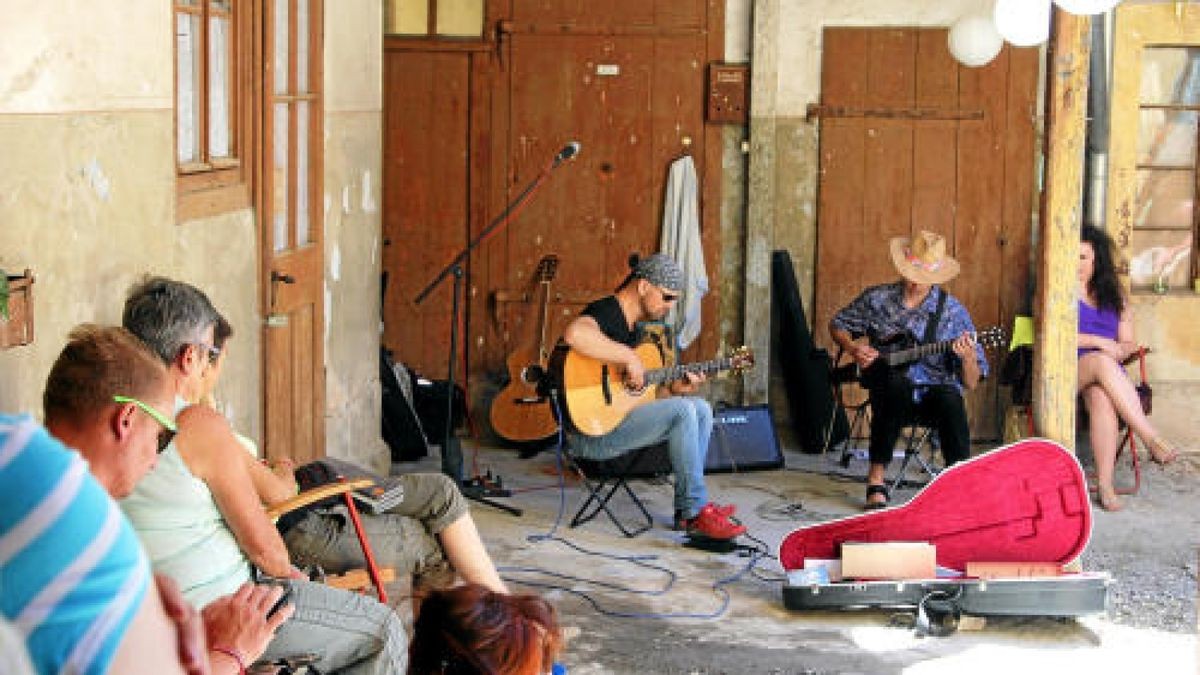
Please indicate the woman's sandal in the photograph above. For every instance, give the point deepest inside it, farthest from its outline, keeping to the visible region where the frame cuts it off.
(873, 490)
(1162, 451)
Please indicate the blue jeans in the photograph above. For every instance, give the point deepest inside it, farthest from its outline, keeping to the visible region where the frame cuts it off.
(685, 422)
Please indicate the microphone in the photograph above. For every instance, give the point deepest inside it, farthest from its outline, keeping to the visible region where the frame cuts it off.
(568, 152)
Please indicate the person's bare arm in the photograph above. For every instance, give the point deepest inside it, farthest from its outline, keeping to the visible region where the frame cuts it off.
(239, 624)
(274, 484)
(151, 644)
(211, 452)
(964, 348)
(584, 336)
(864, 355)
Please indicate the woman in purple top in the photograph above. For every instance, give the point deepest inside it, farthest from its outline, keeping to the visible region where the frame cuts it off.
(1105, 340)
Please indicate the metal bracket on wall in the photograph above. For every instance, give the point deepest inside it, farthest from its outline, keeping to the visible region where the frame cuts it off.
(816, 110)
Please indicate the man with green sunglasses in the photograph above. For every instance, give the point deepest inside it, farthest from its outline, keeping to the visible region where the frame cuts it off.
(166, 434)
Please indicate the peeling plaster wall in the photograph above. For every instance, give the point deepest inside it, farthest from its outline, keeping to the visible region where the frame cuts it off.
(353, 138)
(1171, 326)
(87, 187)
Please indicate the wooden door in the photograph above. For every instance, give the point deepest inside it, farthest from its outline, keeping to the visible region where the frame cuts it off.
(293, 232)
(625, 80)
(910, 140)
(425, 199)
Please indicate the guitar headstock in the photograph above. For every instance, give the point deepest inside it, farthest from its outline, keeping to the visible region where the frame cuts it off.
(741, 359)
(991, 337)
(547, 267)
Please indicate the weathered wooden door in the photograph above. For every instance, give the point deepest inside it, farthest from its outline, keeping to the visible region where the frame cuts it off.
(293, 231)
(425, 198)
(469, 125)
(910, 140)
(626, 80)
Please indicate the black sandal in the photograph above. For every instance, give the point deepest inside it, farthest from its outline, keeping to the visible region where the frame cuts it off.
(877, 490)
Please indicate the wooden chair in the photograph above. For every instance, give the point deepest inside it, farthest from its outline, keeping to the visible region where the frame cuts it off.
(354, 580)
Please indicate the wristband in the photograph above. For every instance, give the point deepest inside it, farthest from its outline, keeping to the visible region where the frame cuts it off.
(233, 654)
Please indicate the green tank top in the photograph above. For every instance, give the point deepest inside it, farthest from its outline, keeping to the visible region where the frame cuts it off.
(184, 533)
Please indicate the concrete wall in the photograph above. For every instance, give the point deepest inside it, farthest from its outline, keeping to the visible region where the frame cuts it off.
(87, 192)
(87, 199)
(353, 161)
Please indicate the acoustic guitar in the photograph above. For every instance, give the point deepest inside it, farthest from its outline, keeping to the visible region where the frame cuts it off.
(597, 398)
(520, 413)
(898, 351)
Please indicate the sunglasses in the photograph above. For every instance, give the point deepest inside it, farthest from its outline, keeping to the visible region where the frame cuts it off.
(166, 434)
(213, 352)
(666, 295)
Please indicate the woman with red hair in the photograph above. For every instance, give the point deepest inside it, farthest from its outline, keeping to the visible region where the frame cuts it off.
(470, 630)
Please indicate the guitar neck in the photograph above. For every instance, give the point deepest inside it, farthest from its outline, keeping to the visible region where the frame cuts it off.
(902, 356)
(543, 319)
(673, 373)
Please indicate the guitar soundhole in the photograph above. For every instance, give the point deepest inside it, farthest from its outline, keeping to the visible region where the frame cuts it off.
(532, 374)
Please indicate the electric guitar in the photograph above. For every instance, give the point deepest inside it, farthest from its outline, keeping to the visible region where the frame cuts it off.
(520, 413)
(597, 398)
(898, 351)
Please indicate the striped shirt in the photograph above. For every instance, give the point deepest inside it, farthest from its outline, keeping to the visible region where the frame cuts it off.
(72, 573)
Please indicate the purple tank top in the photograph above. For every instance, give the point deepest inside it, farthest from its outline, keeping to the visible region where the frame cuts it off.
(1094, 321)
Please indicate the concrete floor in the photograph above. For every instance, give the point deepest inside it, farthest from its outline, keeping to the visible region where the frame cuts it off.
(649, 599)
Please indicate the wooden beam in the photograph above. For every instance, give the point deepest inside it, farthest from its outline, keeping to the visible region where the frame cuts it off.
(1057, 313)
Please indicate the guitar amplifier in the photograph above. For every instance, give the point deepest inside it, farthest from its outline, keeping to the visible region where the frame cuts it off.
(743, 439)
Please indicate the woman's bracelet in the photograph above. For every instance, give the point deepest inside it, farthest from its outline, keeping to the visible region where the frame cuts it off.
(233, 654)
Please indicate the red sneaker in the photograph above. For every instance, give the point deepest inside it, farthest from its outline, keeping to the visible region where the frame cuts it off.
(725, 510)
(713, 524)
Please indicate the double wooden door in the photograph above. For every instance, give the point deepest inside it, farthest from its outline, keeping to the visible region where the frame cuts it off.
(467, 130)
(910, 141)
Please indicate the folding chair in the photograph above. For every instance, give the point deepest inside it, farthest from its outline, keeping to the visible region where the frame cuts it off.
(857, 407)
(354, 580)
(603, 479)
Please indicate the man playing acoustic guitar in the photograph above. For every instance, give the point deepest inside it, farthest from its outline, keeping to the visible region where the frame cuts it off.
(606, 331)
(930, 389)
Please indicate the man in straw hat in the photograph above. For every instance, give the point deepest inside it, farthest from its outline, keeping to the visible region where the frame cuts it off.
(607, 331)
(930, 390)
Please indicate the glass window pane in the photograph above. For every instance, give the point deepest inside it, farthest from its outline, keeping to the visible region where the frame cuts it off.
(222, 5)
(303, 184)
(1167, 137)
(406, 17)
(187, 96)
(302, 37)
(1171, 75)
(220, 91)
(281, 47)
(460, 17)
(281, 199)
(1165, 198)
(1165, 255)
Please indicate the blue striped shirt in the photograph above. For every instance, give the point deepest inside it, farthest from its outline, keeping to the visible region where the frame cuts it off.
(72, 573)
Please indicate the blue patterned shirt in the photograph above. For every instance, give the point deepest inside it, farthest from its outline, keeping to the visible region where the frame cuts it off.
(879, 312)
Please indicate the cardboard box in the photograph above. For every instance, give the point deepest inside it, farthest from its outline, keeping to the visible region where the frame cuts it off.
(889, 560)
(1012, 570)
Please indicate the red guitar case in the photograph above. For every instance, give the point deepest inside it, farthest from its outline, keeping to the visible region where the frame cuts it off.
(1026, 502)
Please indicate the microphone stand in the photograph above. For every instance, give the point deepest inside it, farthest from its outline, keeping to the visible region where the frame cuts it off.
(452, 460)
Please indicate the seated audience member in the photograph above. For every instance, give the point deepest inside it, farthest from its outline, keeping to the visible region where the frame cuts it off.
(104, 396)
(430, 529)
(1105, 341)
(470, 630)
(199, 517)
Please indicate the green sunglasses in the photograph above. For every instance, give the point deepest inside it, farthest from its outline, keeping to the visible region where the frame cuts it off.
(167, 434)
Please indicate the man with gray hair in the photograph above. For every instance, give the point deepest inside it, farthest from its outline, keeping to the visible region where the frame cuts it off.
(607, 331)
(198, 513)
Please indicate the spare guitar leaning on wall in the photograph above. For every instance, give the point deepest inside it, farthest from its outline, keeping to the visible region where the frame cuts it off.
(519, 412)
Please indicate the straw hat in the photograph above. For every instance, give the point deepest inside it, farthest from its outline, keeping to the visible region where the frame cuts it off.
(923, 258)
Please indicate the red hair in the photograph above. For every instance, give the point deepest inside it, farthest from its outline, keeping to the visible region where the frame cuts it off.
(471, 630)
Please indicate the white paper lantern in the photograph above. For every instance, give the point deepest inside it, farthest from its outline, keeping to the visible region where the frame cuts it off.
(1087, 6)
(1024, 23)
(973, 41)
